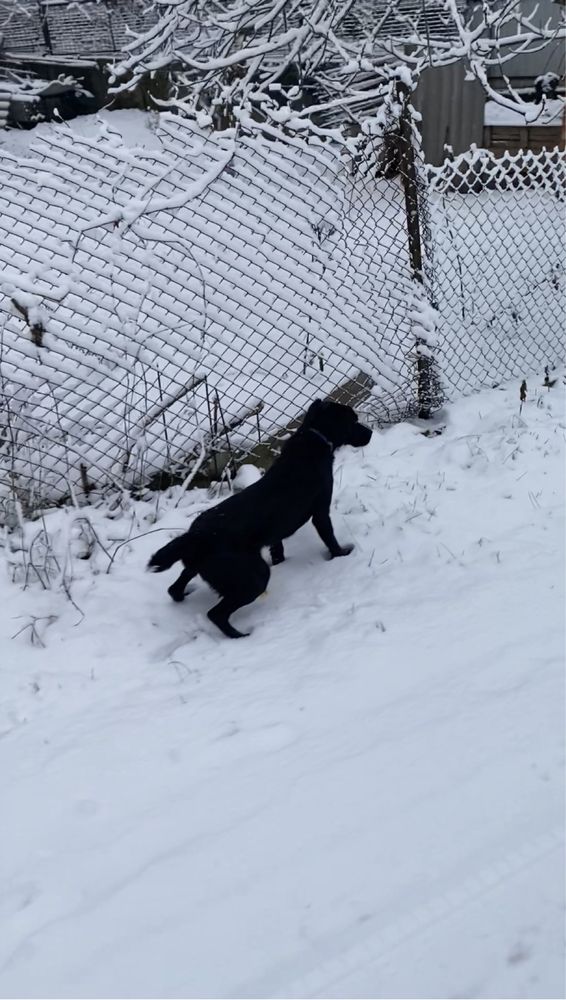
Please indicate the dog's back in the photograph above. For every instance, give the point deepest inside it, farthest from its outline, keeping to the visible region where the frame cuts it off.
(274, 507)
(224, 543)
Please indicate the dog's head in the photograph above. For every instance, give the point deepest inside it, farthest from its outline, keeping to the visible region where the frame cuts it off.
(337, 423)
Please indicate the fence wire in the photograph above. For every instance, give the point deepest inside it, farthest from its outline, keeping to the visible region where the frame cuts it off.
(499, 278)
(189, 297)
(172, 298)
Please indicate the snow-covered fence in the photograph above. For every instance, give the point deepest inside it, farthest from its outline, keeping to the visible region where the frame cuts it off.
(176, 292)
(498, 228)
(172, 296)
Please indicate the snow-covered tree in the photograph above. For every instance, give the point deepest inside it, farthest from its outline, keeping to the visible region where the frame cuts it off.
(316, 55)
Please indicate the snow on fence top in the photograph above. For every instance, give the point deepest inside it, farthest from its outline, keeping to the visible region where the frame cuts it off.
(480, 170)
(158, 293)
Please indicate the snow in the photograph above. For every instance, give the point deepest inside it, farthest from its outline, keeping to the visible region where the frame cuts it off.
(363, 799)
(131, 126)
(245, 476)
(533, 115)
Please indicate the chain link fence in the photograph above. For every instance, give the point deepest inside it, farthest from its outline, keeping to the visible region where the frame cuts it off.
(499, 276)
(172, 298)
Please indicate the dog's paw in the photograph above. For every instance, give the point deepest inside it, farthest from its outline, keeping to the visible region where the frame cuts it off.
(344, 550)
(179, 595)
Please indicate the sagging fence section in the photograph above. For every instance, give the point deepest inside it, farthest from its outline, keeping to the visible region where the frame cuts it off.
(173, 298)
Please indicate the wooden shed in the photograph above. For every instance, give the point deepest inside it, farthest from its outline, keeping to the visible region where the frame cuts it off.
(506, 130)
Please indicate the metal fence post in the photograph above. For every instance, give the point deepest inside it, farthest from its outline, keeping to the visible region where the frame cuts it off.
(409, 179)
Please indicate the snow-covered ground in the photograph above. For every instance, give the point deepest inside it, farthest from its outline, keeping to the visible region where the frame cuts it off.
(363, 799)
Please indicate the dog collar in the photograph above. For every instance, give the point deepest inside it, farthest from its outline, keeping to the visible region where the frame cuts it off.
(322, 438)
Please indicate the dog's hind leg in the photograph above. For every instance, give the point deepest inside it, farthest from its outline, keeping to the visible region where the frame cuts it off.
(177, 589)
(220, 614)
(239, 578)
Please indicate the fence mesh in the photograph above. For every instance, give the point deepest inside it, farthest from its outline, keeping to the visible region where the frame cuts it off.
(499, 277)
(173, 298)
(190, 295)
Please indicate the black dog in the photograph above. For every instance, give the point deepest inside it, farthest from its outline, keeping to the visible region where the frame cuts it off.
(224, 543)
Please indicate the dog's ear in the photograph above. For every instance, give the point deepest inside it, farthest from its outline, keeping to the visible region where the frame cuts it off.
(313, 411)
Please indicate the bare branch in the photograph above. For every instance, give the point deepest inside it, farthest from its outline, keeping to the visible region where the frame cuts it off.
(316, 55)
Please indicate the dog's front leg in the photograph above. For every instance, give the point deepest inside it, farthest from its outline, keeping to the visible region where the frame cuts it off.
(277, 553)
(323, 524)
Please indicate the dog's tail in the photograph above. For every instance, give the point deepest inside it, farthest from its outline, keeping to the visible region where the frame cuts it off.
(179, 548)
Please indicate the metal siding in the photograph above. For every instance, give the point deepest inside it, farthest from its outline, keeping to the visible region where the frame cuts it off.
(452, 109)
(549, 59)
(533, 64)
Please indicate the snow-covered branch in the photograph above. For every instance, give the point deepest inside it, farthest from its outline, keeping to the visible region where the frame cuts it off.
(321, 53)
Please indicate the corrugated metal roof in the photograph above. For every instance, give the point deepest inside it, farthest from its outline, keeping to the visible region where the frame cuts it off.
(399, 20)
(77, 28)
(99, 27)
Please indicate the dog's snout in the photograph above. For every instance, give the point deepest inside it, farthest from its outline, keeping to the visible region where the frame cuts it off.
(362, 436)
